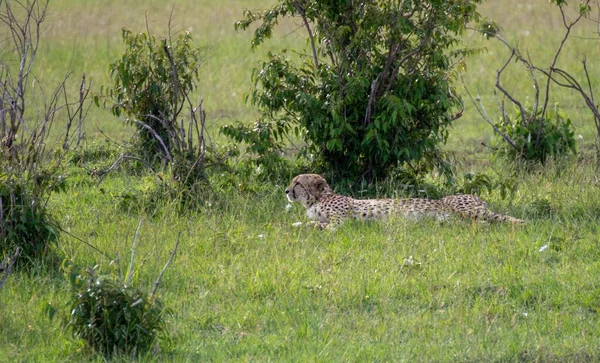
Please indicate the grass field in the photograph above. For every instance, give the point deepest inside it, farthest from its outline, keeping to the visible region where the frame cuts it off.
(248, 286)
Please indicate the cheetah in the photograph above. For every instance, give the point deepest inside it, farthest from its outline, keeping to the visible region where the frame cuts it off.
(328, 210)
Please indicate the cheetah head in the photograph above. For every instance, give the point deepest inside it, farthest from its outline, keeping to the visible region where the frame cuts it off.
(307, 189)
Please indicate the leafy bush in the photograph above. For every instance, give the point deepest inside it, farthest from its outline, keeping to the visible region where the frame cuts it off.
(152, 85)
(24, 222)
(152, 81)
(375, 92)
(110, 317)
(536, 139)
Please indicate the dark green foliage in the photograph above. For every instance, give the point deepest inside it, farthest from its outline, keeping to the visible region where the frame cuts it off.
(24, 221)
(151, 83)
(536, 139)
(375, 92)
(111, 318)
(476, 184)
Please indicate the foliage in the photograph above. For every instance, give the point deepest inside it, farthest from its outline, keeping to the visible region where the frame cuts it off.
(374, 94)
(156, 192)
(537, 139)
(24, 222)
(152, 80)
(110, 317)
(94, 154)
(31, 159)
(152, 85)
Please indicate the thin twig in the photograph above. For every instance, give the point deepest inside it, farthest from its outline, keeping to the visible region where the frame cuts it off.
(506, 93)
(155, 134)
(84, 242)
(157, 282)
(481, 109)
(102, 175)
(568, 27)
(302, 12)
(133, 247)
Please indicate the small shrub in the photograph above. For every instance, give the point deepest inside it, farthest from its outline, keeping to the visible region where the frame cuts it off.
(24, 222)
(536, 139)
(151, 83)
(112, 318)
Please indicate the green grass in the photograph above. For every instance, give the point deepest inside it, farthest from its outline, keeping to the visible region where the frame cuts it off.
(246, 285)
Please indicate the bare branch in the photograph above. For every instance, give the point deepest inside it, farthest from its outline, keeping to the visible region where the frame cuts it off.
(481, 109)
(155, 134)
(135, 242)
(505, 92)
(157, 282)
(569, 27)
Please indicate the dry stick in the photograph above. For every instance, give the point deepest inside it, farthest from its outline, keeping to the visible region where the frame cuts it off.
(82, 96)
(508, 95)
(70, 118)
(135, 242)
(84, 242)
(535, 83)
(156, 135)
(122, 157)
(573, 84)
(157, 282)
(8, 270)
(502, 108)
(481, 109)
(558, 51)
(591, 96)
(552, 65)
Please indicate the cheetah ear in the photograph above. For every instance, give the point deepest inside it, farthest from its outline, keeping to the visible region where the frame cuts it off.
(321, 186)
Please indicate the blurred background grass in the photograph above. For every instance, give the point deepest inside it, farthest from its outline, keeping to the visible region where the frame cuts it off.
(86, 37)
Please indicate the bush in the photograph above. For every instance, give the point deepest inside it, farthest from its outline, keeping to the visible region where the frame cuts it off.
(152, 81)
(112, 318)
(536, 139)
(152, 85)
(375, 92)
(24, 221)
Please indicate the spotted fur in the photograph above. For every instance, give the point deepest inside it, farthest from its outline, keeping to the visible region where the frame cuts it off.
(329, 210)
